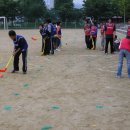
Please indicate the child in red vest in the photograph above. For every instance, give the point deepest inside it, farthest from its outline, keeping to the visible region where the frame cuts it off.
(102, 31)
(87, 29)
(94, 31)
(124, 52)
(110, 29)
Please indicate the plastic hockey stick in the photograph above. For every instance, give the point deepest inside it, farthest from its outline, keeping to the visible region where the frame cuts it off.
(44, 45)
(7, 65)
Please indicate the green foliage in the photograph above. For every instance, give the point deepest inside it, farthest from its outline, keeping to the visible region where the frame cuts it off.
(106, 8)
(9, 8)
(29, 9)
(33, 9)
(64, 9)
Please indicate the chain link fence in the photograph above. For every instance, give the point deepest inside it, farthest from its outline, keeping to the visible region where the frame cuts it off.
(35, 25)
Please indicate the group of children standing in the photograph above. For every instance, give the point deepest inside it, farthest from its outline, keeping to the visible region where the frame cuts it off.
(108, 35)
(51, 37)
(107, 31)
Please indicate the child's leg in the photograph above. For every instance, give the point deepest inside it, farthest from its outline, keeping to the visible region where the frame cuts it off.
(102, 42)
(48, 46)
(24, 58)
(128, 62)
(94, 40)
(106, 47)
(86, 40)
(42, 44)
(114, 47)
(120, 63)
(111, 43)
(16, 61)
(90, 43)
(52, 45)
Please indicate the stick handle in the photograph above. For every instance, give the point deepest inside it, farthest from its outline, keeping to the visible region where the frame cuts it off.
(9, 61)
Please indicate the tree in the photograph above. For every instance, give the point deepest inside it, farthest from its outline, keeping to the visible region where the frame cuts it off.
(64, 9)
(106, 8)
(124, 5)
(9, 8)
(33, 10)
(99, 8)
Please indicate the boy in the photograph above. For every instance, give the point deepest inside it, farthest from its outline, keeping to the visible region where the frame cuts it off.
(116, 44)
(110, 29)
(20, 47)
(124, 52)
(54, 33)
(50, 31)
(46, 40)
(87, 30)
(94, 31)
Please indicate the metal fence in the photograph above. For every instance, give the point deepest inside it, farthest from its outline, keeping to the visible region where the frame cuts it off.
(35, 25)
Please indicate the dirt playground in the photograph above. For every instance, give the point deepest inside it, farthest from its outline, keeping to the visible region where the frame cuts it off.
(75, 89)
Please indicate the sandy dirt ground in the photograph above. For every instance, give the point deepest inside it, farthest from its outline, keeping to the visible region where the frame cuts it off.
(74, 90)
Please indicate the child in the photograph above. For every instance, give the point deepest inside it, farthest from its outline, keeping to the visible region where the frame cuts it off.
(41, 27)
(87, 30)
(116, 44)
(102, 31)
(58, 34)
(54, 34)
(94, 31)
(124, 52)
(50, 31)
(20, 47)
(110, 30)
(46, 40)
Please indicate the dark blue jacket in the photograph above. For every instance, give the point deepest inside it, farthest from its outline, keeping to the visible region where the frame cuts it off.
(21, 43)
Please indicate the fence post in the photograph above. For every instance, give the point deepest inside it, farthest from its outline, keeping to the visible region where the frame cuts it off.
(75, 25)
(65, 24)
(35, 24)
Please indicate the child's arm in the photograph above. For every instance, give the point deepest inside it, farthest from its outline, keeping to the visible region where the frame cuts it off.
(16, 51)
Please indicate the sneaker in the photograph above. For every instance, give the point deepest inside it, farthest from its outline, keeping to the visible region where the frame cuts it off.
(24, 72)
(118, 77)
(14, 71)
(52, 52)
(58, 49)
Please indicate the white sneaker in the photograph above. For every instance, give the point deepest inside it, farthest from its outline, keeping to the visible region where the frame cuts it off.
(118, 77)
(58, 49)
